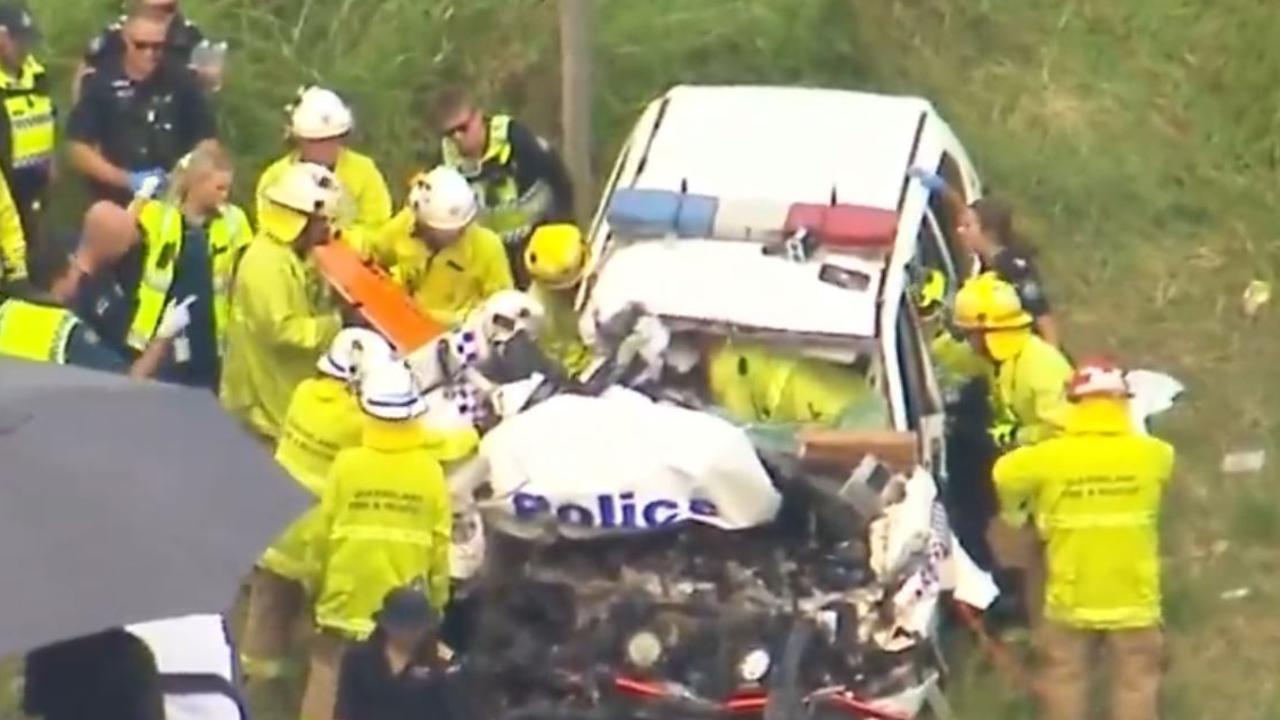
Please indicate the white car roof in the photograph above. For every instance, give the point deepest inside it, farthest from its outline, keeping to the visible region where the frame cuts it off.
(734, 286)
(783, 143)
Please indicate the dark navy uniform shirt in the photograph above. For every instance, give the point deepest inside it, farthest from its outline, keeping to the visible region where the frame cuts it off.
(103, 305)
(1021, 273)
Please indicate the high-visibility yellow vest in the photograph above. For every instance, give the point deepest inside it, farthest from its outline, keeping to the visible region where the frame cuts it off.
(35, 332)
(162, 224)
(492, 177)
(30, 111)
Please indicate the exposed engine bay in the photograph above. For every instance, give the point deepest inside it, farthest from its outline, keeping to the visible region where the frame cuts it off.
(700, 619)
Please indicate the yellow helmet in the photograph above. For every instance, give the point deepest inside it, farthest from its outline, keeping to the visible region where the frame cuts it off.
(989, 303)
(556, 256)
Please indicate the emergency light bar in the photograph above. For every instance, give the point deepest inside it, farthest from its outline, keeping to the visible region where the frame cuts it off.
(642, 213)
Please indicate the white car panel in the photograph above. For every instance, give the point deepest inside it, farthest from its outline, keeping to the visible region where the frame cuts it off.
(733, 283)
(789, 144)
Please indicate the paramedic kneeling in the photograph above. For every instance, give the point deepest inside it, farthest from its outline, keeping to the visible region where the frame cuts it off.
(1096, 493)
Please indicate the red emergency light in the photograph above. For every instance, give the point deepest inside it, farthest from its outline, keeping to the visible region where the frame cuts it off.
(845, 227)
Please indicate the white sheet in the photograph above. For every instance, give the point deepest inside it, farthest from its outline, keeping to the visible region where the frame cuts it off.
(195, 644)
(621, 463)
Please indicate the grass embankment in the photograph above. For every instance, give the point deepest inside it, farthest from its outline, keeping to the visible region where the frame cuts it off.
(1139, 139)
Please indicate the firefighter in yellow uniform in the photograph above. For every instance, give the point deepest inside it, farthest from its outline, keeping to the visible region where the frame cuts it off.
(1096, 491)
(27, 130)
(1028, 403)
(386, 523)
(434, 248)
(191, 244)
(1030, 373)
(556, 261)
(283, 314)
(319, 123)
(755, 384)
(323, 419)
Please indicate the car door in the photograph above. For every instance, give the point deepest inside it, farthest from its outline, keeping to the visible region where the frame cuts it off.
(924, 406)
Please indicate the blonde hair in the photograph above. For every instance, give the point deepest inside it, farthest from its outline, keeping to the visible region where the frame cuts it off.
(207, 157)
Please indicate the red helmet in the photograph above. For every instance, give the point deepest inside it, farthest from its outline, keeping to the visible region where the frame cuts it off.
(1097, 378)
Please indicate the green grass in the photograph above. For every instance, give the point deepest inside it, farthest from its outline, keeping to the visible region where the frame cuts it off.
(1139, 139)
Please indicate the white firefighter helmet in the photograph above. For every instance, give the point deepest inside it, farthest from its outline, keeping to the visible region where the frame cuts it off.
(442, 199)
(303, 190)
(388, 390)
(319, 114)
(307, 188)
(352, 350)
(506, 314)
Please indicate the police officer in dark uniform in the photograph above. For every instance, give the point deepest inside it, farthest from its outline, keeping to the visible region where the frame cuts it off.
(520, 179)
(986, 229)
(137, 116)
(108, 234)
(181, 38)
(27, 125)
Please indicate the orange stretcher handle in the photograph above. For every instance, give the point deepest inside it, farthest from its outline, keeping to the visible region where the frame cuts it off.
(373, 294)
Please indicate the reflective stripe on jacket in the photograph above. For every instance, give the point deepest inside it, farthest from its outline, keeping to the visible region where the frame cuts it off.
(31, 116)
(35, 332)
(324, 419)
(1096, 493)
(386, 523)
(162, 225)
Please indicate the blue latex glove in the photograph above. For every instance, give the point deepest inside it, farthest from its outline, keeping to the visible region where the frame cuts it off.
(932, 181)
(138, 182)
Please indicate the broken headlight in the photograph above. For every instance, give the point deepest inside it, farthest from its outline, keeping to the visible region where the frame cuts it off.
(754, 666)
(644, 650)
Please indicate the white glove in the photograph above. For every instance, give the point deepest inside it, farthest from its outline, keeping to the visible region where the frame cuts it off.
(176, 318)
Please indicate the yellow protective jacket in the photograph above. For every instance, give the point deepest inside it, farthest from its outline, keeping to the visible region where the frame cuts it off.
(367, 202)
(162, 223)
(282, 317)
(32, 122)
(324, 418)
(386, 523)
(13, 241)
(1096, 492)
(560, 339)
(1030, 391)
(756, 384)
(449, 283)
(957, 362)
(35, 331)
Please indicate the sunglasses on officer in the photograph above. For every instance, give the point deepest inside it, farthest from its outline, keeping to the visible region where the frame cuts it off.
(148, 46)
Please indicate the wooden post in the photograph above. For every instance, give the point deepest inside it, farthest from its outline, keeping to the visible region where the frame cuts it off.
(575, 106)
